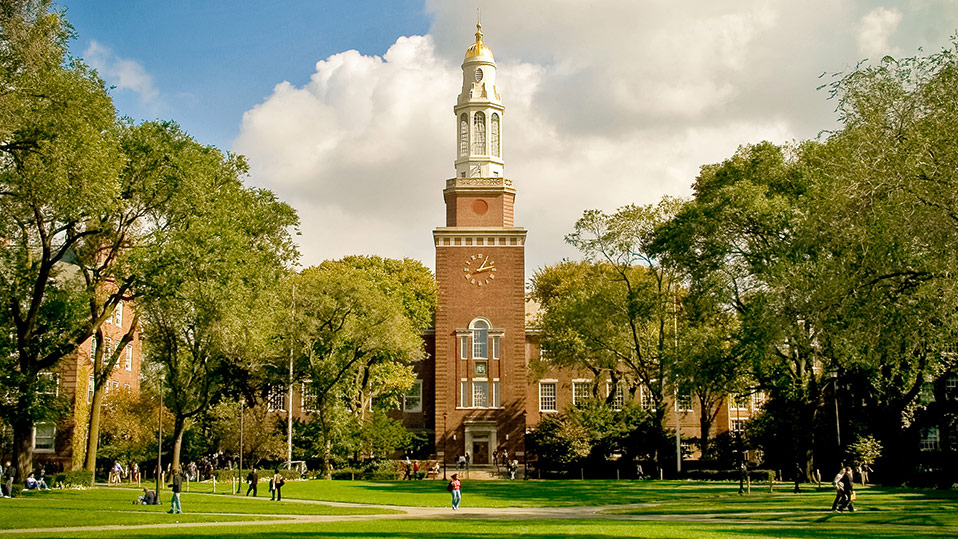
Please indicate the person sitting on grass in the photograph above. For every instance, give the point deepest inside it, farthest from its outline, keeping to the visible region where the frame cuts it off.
(148, 498)
(33, 484)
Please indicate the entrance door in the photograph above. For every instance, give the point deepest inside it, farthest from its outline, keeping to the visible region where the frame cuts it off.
(480, 452)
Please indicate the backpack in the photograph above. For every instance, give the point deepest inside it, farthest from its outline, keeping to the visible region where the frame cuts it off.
(449, 487)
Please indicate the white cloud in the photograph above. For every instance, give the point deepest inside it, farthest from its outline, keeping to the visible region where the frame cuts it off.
(875, 30)
(123, 73)
(605, 106)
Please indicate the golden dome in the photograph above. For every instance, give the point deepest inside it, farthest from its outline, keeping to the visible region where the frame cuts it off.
(479, 48)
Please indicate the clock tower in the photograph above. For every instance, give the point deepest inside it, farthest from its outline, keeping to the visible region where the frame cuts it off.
(480, 362)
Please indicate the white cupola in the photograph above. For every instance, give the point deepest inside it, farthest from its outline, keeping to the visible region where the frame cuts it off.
(479, 115)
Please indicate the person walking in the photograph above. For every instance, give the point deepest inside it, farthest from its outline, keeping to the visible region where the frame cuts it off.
(252, 478)
(455, 487)
(278, 482)
(7, 480)
(176, 486)
(116, 474)
(844, 491)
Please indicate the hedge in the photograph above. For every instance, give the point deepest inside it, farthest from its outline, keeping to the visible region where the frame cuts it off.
(73, 479)
(756, 475)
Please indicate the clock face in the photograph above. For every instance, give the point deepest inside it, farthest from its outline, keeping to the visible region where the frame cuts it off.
(479, 269)
(478, 75)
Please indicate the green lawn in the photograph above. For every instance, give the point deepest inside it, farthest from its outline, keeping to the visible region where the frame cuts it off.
(658, 509)
(114, 505)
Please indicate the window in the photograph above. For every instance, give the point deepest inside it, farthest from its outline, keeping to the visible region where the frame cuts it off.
(495, 134)
(581, 392)
(618, 400)
(544, 354)
(480, 370)
(464, 394)
(495, 347)
(929, 439)
(49, 383)
(480, 394)
(118, 315)
(479, 132)
(647, 402)
(92, 347)
(276, 399)
(480, 339)
(412, 402)
(89, 390)
(44, 438)
(129, 357)
(684, 402)
(495, 394)
(759, 398)
(307, 393)
(738, 402)
(463, 135)
(464, 347)
(951, 386)
(737, 426)
(107, 348)
(547, 397)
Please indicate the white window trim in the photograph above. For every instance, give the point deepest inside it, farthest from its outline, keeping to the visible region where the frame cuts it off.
(580, 381)
(129, 357)
(53, 440)
(555, 395)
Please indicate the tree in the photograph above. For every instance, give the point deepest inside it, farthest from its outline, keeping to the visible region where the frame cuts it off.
(157, 185)
(354, 335)
(262, 432)
(59, 165)
(708, 365)
(200, 297)
(613, 313)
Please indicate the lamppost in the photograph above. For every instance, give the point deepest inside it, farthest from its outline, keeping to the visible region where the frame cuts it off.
(444, 415)
(159, 442)
(239, 483)
(833, 372)
(525, 446)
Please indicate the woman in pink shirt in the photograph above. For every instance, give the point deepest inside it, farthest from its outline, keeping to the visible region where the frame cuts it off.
(456, 491)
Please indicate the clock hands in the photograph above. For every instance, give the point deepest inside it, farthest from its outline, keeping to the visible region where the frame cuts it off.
(484, 267)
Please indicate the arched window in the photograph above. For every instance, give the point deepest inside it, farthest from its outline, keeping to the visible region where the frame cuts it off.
(479, 128)
(463, 135)
(480, 339)
(494, 135)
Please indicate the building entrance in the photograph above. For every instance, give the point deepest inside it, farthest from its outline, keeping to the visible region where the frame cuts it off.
(480, 439)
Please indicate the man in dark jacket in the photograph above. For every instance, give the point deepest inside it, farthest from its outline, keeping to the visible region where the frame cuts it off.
(176, 486)
(252, 478)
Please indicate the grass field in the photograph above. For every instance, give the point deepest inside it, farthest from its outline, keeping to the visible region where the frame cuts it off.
(496, 509)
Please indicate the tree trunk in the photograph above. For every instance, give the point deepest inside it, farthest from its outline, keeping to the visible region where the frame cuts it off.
(179, 426)
(93, 434)
(22, 447)
(705, 427)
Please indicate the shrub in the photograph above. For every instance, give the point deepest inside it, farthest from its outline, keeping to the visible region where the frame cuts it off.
(757, 475)
(74, 479)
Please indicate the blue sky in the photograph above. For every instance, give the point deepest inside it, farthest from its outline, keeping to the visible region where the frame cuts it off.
(344, 108)
(211, 60)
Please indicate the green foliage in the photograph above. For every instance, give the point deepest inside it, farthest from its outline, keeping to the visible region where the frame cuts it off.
(73, 479)
(864, 451)
(559, 442)
(593, 435)
(357, 328)
(264, 437)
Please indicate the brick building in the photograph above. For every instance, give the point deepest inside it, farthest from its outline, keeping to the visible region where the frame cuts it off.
(62, 445)
(474, 392)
